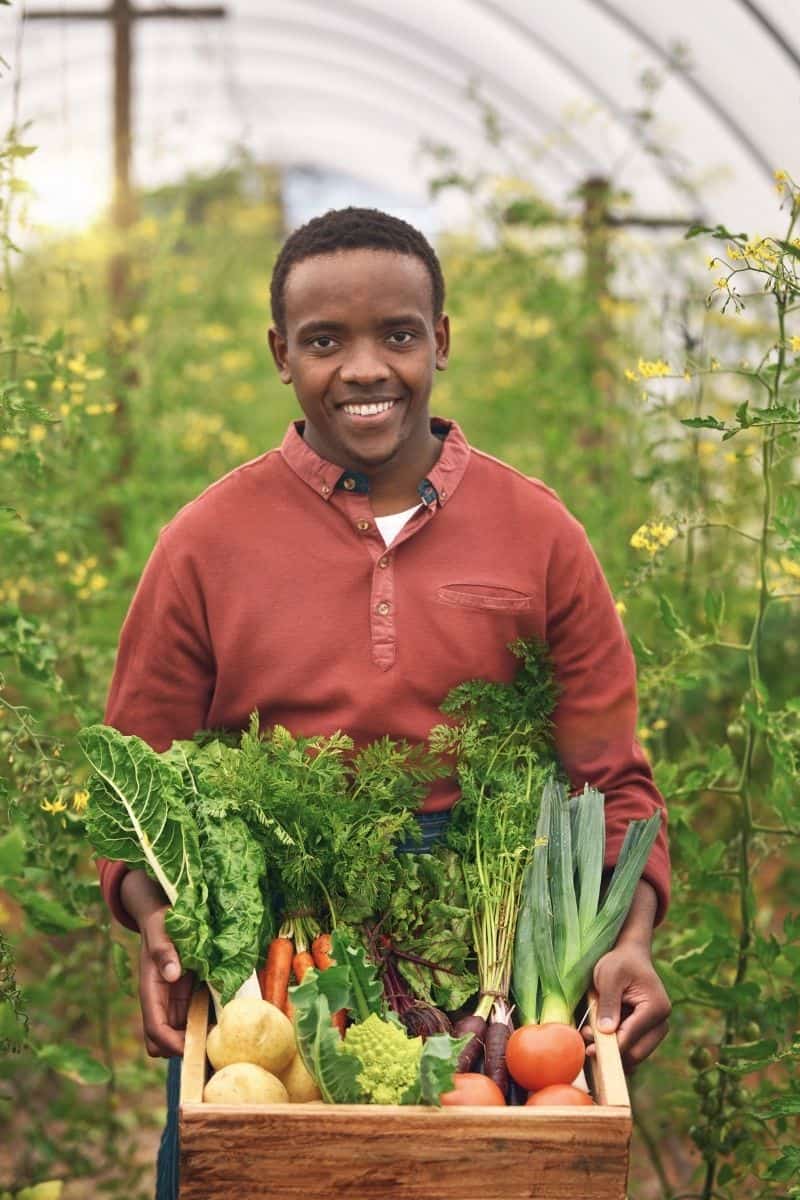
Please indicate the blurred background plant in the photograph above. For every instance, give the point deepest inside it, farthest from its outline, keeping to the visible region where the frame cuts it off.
(667, 422)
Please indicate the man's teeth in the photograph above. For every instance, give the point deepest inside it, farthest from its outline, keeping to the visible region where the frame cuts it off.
(368, 410)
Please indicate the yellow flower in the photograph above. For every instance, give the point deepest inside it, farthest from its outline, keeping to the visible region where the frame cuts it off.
(61, 557)
(97, 583)
(711, 263)
(65, 409)
(77, 364)
(714, 364)
(94, 410)
(91, 562)
(652, 537)
(95, 373)
(643, 733)
(652, 369)
(80, 799)
(621, 607)
(58, 385)
(77, 388)
(140, 323)
(30, 385)
(37, 433)
(660, 724)
(790, 567)
(687, 375)
(53, 806)
(721, 282)
(794, 342)
(9, 443)
(630, 375)
(215, 332)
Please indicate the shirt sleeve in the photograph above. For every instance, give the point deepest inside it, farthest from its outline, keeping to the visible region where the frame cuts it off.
(596, 712)
(163, 678)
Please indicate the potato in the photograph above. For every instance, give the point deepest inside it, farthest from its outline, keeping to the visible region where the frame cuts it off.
(254, 1031)
(244, 1083)
(299, 1082)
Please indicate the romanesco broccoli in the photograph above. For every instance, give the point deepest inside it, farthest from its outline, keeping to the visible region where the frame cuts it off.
(389, 1058)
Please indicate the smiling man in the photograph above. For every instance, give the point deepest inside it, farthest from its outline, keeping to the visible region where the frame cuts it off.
(350, 578)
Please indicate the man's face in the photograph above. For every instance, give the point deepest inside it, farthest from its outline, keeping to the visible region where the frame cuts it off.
(361, 347)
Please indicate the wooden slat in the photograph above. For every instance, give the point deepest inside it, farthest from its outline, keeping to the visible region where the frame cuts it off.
(610, 1086)
(193, 1075)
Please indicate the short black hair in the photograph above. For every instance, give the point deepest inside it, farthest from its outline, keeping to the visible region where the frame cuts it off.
(352, 229)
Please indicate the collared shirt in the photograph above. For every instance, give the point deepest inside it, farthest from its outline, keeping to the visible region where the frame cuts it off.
(274, 591)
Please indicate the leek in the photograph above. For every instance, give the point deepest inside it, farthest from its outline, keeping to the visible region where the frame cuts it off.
(563, 929)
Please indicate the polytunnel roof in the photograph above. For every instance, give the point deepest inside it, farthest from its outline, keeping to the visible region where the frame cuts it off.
(356, 87)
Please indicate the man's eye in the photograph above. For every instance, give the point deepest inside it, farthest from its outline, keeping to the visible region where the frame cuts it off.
(322, 337)
(402, 333)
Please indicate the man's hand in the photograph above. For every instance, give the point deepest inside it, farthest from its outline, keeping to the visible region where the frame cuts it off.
(164, 991)
(631, 997)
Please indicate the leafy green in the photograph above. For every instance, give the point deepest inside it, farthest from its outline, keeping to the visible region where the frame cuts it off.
(428, 919)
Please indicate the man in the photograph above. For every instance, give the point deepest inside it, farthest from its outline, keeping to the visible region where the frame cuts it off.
(350, 578)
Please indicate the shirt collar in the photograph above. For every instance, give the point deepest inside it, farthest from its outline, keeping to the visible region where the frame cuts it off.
(325, 477)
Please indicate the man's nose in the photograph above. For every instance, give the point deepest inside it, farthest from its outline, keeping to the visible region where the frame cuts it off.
(364, 364)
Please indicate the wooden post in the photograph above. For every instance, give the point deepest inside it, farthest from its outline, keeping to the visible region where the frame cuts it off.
(122, 14)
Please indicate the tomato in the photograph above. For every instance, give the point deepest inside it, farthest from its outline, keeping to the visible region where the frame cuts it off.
(538, 1055)
(471, 1088)
(560, 1093)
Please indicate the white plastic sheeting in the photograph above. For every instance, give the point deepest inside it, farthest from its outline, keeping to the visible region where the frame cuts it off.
(356, 86)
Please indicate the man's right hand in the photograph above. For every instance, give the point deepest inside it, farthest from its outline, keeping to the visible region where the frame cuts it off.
(164, 990)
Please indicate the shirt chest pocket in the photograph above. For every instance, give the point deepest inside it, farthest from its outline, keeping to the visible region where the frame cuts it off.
(482, 597)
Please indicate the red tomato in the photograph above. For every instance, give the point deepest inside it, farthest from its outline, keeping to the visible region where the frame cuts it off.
(538, 1055)
(560, 1093)
(471, 1088)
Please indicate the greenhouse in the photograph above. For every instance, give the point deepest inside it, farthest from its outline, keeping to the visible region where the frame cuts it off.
(399, 583)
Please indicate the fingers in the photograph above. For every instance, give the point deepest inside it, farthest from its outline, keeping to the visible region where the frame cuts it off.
(159, 947)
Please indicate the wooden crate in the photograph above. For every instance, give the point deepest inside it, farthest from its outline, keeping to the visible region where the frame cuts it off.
(374, 1152)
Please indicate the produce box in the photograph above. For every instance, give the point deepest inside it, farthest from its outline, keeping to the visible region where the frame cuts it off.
(320, 1151)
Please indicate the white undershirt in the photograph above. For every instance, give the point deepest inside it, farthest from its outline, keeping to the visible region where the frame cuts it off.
(390, 526)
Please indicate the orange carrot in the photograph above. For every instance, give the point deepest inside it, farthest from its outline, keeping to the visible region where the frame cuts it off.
(302, 960)
(321, 951)
(274, 977)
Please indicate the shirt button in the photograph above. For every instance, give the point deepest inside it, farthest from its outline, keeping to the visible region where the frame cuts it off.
(362, 526)
(443, 494)
(349, 484)
(326, 491)
(383, 608)
(383, 562)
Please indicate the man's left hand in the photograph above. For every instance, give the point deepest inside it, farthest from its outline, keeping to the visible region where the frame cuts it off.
(631, 998)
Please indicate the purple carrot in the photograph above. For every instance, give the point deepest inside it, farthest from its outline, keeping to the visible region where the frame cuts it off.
(497, 1035)
(476, 1027)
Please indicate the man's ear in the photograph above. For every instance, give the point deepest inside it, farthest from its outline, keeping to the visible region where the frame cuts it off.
(279, 347)
(441, 333)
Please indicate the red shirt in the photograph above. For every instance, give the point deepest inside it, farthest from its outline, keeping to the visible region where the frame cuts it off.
(274, 591)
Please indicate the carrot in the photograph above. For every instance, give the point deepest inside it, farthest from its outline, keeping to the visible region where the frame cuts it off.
(497, 1035)
(321, 950)
(476, 1027)
(321, 953)
(274, 976)
(302, 960)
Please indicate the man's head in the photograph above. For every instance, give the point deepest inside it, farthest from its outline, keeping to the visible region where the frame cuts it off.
(359, 331)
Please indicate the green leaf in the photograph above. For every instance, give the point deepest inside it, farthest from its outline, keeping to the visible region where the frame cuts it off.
(437, 1066)
(366, 991)
(45, 914)
(704, 423)
(716, 231)
(67, 1058)
(668, 614)
(12, 852)
(122, 968)
(48, 1190)
(714, 605)
(319, 1044)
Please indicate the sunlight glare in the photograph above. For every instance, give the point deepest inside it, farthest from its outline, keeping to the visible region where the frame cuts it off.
(66, 194)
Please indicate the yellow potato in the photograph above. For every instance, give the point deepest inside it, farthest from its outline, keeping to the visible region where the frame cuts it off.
(244, 1083)
(299, 1082)
(254, 1031)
